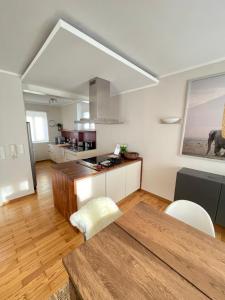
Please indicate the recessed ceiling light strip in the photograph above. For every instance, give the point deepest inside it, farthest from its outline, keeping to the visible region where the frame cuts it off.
(108, 51)
(62, 24)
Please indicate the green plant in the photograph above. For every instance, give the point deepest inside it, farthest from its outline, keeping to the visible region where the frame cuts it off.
(123, 148)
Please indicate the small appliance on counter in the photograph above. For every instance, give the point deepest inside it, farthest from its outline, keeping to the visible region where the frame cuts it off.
(60, 140)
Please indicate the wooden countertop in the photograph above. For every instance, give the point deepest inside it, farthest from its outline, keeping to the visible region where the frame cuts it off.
(147, 254)
(196, 256)
(74, 171)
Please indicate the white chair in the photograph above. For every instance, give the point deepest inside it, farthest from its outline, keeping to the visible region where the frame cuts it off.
(191, 214)
(95, 215)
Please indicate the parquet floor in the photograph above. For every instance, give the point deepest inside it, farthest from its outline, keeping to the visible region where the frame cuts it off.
(34, 237)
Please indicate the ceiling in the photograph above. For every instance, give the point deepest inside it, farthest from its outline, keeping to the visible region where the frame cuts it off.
(68, 59)
(161, 36)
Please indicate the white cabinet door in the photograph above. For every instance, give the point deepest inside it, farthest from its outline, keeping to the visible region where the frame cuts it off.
(87, 154)
(70, 155)
(132, 177)
(115, 184)
(90, 187)
(59, 154)
(52, 152)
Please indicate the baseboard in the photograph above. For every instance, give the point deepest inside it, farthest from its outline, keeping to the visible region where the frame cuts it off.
(43, 160)
(19, 198)
(158, 197)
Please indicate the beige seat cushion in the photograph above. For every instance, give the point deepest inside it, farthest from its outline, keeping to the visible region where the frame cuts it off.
(95, 215)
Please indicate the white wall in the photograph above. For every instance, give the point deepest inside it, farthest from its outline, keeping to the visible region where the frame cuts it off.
(15, 174)
(53, 113)
(158, 144)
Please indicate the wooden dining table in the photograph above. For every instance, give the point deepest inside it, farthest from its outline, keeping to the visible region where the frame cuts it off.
(147, 254)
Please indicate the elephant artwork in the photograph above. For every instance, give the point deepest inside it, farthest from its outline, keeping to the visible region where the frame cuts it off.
(216, 137)
(204, 124)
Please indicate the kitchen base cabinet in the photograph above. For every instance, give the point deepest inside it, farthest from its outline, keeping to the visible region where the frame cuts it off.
(69, 155)
(89, 188)
(132, 178)
(115, 184)
(56, 153)
(75, 184)
(60, 154)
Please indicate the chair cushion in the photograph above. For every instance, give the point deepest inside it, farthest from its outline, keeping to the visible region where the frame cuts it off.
(95, 215)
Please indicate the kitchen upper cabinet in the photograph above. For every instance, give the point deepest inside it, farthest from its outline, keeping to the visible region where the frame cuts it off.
(69, 115)
(132, 178)
(115, 184)
(90, 187)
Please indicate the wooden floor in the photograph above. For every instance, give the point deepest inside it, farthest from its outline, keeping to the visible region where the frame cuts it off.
(34, 237)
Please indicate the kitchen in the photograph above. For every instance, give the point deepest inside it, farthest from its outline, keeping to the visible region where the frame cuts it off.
(72, 116)
(104, 103)
(80, 145)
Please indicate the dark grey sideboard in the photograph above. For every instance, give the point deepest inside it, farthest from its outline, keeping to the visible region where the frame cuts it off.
(206, 189)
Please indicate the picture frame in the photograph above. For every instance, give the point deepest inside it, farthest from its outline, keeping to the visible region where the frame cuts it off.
(203, 118)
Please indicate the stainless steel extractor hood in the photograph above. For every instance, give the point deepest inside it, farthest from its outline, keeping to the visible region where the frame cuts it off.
(103, 108)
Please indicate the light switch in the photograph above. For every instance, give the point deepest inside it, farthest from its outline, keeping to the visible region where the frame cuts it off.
(20, 149)
(2, 152)
(13, 151)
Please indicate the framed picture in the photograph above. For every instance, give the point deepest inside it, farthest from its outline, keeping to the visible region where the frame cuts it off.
(204, 118)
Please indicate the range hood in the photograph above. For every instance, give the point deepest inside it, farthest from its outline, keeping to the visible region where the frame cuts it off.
(103, 108)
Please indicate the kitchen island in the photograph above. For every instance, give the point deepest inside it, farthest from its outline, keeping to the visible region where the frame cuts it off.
(75, 184)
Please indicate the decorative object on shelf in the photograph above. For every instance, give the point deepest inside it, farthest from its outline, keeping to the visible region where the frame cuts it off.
(204, 130)
(131, 155)
(52, 123)
(170, 120)
(60, 126)
(223, 124)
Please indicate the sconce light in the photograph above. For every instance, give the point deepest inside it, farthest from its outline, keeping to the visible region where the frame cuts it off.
(223, 124)
(170, 120)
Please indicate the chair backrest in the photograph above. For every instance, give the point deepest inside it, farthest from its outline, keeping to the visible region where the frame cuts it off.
(191, 214)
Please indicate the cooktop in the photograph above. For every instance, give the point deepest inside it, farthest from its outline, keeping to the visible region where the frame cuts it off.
(101, 162)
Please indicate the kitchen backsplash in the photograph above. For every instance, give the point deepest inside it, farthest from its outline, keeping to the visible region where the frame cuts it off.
(81, 136)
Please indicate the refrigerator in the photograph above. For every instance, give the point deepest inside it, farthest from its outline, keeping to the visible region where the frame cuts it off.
(31, 151)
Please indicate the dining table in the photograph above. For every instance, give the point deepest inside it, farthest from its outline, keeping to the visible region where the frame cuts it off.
(147, 254)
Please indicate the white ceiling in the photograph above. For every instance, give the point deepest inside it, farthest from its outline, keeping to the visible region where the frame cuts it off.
(162, 36)
(66, 61)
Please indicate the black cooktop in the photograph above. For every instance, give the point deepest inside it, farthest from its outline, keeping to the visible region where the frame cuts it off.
(101, 162)
(96, 159)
